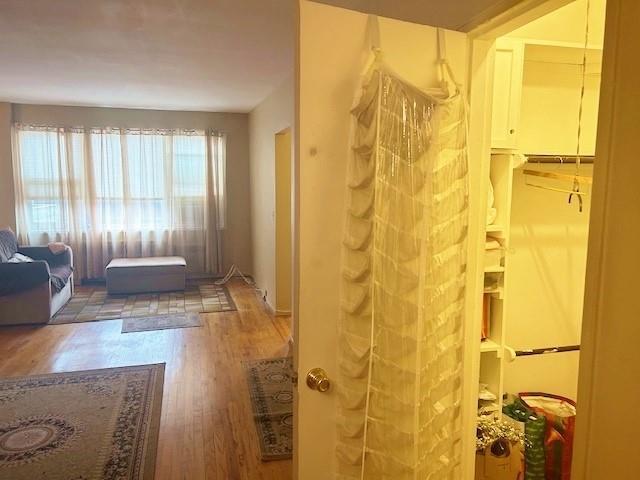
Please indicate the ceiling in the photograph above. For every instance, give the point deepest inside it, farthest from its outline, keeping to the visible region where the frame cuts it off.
(567, 24)
(211, 55)
(460, 15)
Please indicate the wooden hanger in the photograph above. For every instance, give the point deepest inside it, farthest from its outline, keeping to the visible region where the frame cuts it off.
(557, 176)
(575, 191)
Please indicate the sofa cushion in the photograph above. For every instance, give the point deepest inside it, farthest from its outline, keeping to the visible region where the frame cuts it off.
(8, 244)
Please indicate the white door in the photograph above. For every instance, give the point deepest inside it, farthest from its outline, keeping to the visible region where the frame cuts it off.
(332, 53)
(507, 92)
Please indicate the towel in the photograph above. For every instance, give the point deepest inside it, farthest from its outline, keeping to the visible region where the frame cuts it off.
(492, 244)
(57, 248)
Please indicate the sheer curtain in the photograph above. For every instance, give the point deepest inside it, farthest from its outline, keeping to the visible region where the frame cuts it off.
(404, 268)
(121, 193)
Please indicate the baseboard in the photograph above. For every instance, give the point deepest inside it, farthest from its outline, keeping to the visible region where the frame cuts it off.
(269, 307)
(190, 276)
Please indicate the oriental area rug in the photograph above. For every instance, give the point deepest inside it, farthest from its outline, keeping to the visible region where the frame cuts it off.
(87, 425)
(91, 304)
(271, 394)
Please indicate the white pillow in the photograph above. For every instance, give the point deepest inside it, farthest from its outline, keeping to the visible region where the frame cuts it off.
(19, 258)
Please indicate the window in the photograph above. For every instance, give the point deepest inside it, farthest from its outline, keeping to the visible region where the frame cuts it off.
(149, 182)
(112, 180)
(122, 192)
(51, 170)
(134, 180)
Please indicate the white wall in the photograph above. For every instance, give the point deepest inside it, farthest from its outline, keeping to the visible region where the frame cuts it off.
(7, 201)
(551, 96)
(567, 24)
(272, 116)
(333, 50)
(545, 287)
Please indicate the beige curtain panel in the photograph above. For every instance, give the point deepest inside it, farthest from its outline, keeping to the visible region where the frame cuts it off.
(404, 269)
(121, 193)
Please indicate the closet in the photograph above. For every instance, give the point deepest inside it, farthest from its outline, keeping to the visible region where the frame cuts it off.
(543, 136)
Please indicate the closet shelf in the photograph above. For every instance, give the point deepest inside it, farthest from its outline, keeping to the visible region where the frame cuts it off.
(497, 292)
(494, 228)
(489, 345)
(489, 409)
(494, 269)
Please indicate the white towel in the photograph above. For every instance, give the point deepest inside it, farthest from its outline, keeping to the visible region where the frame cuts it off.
(492, 244)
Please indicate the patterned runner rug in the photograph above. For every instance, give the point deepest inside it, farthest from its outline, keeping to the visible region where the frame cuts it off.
(271, 395)
(90, 304)
(161, 322)
(89, 425)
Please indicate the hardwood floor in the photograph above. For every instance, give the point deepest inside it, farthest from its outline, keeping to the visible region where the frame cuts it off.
(207, 429)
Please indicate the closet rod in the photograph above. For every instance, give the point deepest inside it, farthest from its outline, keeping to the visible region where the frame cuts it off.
(559, 159)
(544, 351)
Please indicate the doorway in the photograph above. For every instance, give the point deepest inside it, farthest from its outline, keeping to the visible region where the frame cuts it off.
(544, 73)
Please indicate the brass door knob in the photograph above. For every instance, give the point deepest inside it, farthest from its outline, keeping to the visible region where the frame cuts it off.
(317, 379)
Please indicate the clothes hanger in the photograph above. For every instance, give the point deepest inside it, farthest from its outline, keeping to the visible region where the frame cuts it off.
(557, 176)
(575, 190)
(576, 179)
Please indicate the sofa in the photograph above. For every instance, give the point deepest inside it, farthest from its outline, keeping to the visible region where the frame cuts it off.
(35, 282)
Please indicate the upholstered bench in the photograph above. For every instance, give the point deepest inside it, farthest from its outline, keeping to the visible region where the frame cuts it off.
(143, 275)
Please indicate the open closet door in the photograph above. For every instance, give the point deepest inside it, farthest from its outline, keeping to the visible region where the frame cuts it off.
(333, 50)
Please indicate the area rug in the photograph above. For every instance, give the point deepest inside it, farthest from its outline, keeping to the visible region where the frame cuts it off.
(161, 322)
(89, 425)
(271, 394)
(90, 304)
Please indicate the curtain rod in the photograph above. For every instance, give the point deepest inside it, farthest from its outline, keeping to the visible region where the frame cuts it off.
(586, 159)
(544, 351)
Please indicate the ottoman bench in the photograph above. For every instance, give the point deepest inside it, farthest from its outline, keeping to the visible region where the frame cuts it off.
(144, 275)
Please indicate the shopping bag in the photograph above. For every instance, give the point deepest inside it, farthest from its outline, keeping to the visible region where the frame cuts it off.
(560, 419)
(534, 434)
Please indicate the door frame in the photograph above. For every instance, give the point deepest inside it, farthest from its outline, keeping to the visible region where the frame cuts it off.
(288, 131)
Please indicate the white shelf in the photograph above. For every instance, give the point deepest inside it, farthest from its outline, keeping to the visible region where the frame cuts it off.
(495, 228)
(497, 292)
(494, 269)
(489, 345)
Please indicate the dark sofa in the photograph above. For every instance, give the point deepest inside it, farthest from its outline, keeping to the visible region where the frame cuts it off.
(32, 291)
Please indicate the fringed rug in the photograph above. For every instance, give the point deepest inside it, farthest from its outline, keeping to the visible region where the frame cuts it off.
(271, 395)
(90, 304)
(161, 322)
(89, 425)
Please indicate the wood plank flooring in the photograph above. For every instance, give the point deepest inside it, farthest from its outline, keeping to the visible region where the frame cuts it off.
(207, 429)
